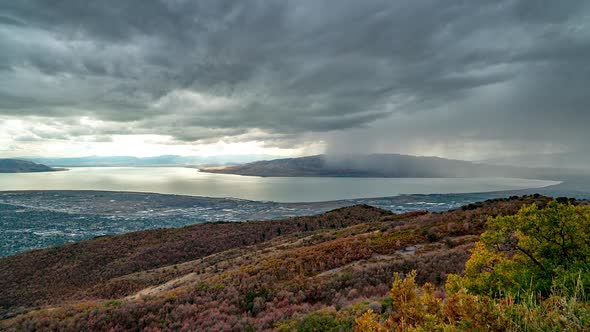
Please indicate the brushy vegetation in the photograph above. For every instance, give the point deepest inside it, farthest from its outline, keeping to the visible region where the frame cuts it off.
(529, 272)
(317, 273)
(89, 269)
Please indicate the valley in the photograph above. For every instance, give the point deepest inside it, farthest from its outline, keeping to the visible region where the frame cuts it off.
(236, 276)
(41, 219)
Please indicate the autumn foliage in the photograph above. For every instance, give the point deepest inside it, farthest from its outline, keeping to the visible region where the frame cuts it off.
(529, 272)
(318, 273)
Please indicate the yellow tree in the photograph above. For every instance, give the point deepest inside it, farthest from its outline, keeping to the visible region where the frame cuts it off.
(536, 250)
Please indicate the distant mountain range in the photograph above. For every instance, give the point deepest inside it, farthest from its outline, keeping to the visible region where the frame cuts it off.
(315, 165)
(376, 165)
(165, 160)
(22, 166)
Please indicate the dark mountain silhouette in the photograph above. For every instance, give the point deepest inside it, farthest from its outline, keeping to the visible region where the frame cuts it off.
(22, 166)
(376, 165)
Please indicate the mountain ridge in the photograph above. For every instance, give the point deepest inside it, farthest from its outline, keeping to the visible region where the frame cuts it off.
(23, 166)
(375, 165)
(128, 161)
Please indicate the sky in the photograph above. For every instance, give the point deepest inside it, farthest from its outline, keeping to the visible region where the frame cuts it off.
(459, 79)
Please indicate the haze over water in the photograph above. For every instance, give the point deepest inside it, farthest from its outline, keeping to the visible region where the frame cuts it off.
(187, 181)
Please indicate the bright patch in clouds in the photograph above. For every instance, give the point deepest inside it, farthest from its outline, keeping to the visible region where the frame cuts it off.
(25, 138)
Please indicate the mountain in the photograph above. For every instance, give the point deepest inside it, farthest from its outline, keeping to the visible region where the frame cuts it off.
(374, 165)
(164, 160)
(248, 276)
(22, 166)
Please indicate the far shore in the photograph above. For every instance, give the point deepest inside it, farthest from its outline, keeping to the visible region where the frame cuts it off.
(58, 169)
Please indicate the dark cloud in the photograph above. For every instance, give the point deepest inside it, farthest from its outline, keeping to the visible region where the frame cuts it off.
(284, 72)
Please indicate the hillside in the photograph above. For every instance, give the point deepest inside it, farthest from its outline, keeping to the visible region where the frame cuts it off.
(22, 166)
(240, 276)
(374, 165)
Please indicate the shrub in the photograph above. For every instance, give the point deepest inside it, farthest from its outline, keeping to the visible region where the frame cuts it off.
(529, 272)
(537, 250)
(323, 320)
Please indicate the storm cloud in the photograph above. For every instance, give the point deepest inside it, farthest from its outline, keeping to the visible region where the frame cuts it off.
(424, 77)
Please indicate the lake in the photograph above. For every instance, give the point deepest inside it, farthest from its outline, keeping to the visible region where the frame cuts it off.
(189, 181)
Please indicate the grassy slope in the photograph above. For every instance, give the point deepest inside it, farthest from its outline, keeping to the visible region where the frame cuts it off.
(236, 276)
(49, 276)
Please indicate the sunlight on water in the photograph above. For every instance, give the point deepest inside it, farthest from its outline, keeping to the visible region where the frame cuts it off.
(187, 181)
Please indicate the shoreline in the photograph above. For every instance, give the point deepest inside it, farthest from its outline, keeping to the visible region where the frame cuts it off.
(186, 182)
(99, 191)
(42, 219)
(58, 169)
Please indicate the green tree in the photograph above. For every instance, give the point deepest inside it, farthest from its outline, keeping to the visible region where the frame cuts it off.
(538, 250)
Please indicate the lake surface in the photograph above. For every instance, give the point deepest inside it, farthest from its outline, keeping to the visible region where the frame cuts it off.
(188, 181)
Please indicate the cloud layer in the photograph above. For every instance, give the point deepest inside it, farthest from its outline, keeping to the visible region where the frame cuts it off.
(401, 76)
